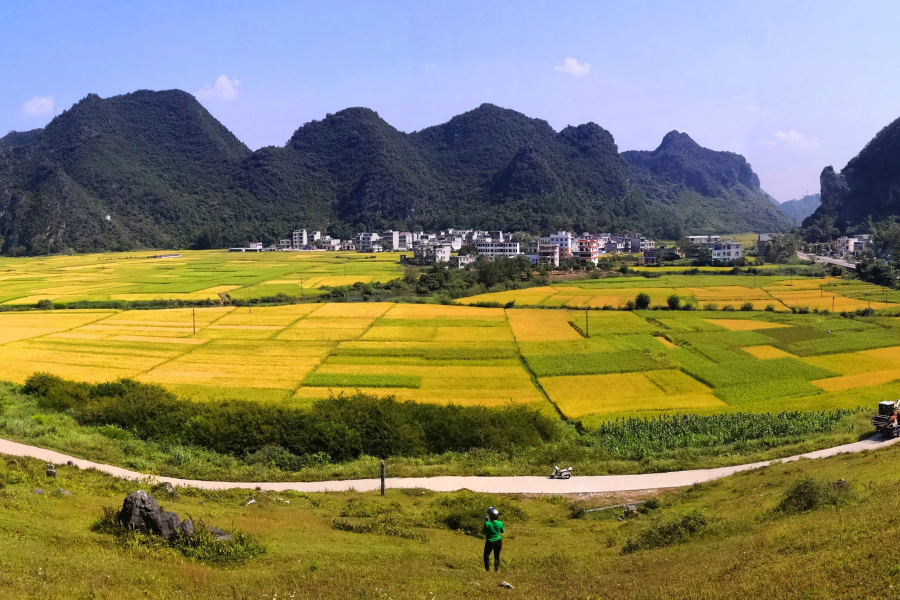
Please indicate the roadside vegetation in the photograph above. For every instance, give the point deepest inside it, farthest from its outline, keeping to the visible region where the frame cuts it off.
(145, 428)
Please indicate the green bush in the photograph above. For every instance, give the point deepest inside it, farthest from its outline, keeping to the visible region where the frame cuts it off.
(673, 302)
(807, 493)
(465, 511)
(642, 301)
(342, 428)
(669, 532)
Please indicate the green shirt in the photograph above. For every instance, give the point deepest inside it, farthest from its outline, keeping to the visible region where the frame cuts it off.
(492, 530)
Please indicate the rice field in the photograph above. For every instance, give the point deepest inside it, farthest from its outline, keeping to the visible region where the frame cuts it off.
(194, 275)
(631, 363)
(782, 293)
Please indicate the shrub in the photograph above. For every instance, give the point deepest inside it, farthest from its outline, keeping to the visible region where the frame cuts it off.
(642, 301)
(343, 427)
(747, 306)
(674, 302)
(44, 305)
(770, 307)
(711, 306)
(728, 308)
(465, 511)
(669, 532)
(630, 305)
(807, 493)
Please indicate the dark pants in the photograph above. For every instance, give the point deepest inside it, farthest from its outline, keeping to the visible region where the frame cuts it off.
(495, 548)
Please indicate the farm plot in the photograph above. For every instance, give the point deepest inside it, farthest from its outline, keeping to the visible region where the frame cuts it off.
(632, 362)
(782, 293)
(194, 275)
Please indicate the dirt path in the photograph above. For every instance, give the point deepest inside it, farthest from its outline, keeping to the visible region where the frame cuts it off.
(498, 485)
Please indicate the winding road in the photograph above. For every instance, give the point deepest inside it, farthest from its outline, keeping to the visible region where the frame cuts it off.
(494, 485)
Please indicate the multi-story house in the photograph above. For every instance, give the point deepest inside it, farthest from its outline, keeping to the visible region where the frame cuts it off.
(727, 250)
(566, 242)
(588, 250)
(492, 250)
(393, 238)
(368, 242)
(432, 252)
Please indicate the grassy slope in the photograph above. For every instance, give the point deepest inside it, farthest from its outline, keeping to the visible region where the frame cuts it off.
(48, 551)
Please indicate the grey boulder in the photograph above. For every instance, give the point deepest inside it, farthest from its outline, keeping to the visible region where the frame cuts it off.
(141, 511)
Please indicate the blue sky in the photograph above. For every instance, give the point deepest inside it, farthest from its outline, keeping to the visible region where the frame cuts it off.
(793, 86)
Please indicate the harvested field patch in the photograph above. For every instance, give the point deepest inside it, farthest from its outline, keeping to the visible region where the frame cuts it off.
(766, 352)
(744, 324)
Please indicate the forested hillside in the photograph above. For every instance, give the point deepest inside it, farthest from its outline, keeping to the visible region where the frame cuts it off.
(707, 191)
(155, 169)
(867, 189)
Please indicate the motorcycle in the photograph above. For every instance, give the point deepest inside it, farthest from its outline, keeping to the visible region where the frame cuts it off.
(561, 474)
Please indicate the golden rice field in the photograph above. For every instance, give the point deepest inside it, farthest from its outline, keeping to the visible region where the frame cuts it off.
(194, 275)
(781, 292)
(639, 362)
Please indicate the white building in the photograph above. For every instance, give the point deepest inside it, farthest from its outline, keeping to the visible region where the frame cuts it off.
(393, 237)
(432, 252)
(567, 243)
(704, 240)
(727, 250)
(368, 242)
(492, 250)
(284, 245)
(405, 240)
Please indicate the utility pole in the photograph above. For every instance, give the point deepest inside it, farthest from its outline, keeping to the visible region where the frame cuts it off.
(382, 478)
(249, 302)
(194, 316)
(301, 286)
(587, 324)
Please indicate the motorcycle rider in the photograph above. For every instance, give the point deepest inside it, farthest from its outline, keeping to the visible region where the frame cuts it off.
(493, 538)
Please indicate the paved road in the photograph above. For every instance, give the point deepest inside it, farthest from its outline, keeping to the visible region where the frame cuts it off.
(825, 259)
(498, 485)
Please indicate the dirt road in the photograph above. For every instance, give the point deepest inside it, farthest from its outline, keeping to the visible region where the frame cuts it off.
(508, 485)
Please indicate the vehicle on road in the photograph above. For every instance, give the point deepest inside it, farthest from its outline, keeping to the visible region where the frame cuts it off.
(885, 421)
(561, 474)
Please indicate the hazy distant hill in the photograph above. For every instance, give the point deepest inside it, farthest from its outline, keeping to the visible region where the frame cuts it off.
(165, 171)
(801, 208)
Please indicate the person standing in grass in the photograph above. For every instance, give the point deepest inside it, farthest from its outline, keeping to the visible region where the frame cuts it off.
(493, 538)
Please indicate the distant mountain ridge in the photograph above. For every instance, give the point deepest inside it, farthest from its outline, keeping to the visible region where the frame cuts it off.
(707, 186)
(801, 208)
(165, 171)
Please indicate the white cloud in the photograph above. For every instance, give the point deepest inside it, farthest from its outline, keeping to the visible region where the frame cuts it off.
(573, 67)
(795, 140)
(755, 109)
(39, 105)
(791, 139)
(223, 89)
(430, 66)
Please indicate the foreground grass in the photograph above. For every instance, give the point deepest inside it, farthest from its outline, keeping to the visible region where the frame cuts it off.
(733, 538)
(22, 420)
